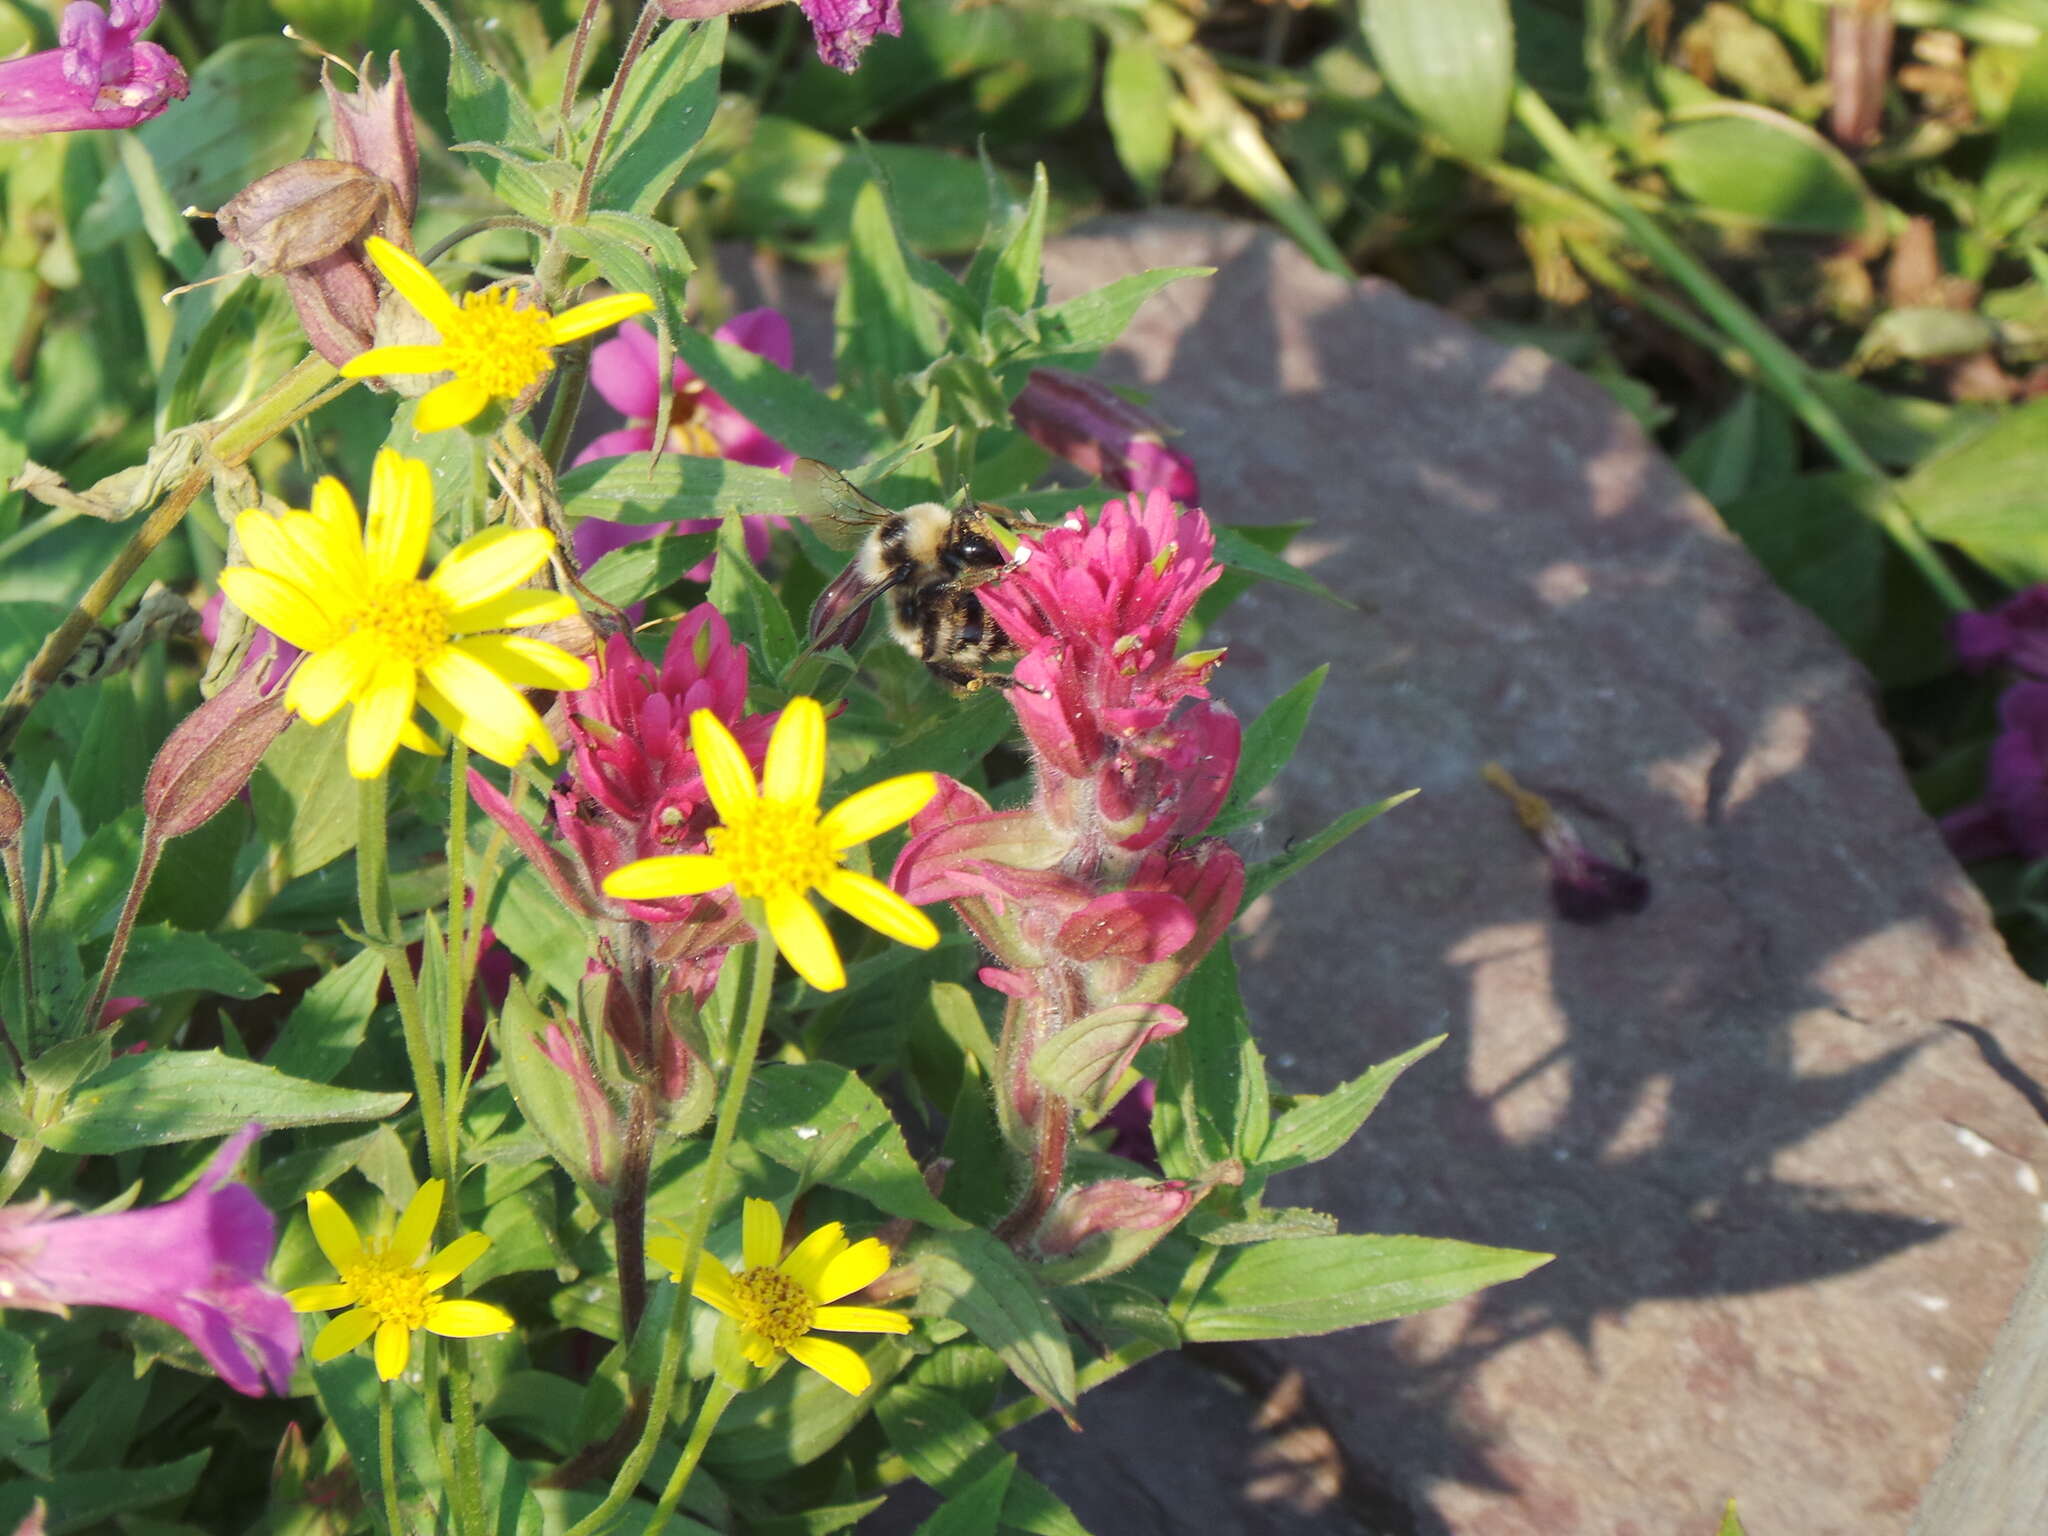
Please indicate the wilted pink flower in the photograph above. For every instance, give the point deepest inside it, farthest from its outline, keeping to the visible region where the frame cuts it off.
(1112, 1205)
(1595, 870)
(626, 371)
(262, 644)
(844, 28)
(196, 1262)
(1094, 428)
(98, 77)
(2012, 818)
(2014, 634)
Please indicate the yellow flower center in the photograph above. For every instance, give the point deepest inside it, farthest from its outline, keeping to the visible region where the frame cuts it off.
(409, 619)
(396, 1292)
(773, 1306)
(774, 849)
(497, 343)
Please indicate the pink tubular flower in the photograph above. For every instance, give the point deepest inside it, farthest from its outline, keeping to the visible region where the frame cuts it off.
(196, 1262)
(99, 76)
(844, 28)
(1096, 429)
(626, 372)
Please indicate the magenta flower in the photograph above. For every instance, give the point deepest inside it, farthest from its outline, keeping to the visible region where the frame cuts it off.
(196, 1262)
(844, 28)
(1094, 428)
(99, 76)
(626, 371)
(2014, 634)
(2012, 818)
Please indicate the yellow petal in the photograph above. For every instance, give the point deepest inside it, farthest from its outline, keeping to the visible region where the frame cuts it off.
(668, 1253)
(416, 1223)
(334, 510)
(757, 1349)
(807, 1261)
(491, 716)
(328, 679)
(455, 1258)
(585, 319)
(835, 1362)
(525, 662)
(343, 1334)
(280, 607)
(267, 546)
(489, 564)
(413, 739)
(383, 705)
(714, 1280)
(394, 1348)
(381, 361)
(859, 1320)
(506, 748)
(464, 1319)
(806, 941)
(321, 1298)
(401, 516)
(404, 272)
(874, 810)
(879, 907)
(728, 777)
(795, 770)
(760, 1234)
(332, 1230)
(449, 405)
(675, 874)
(511, 610)
(860, 1266)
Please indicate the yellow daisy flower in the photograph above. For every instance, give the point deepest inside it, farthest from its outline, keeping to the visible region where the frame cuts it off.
(380, 637)
(778, 1306)
(773, 847)
(496, 347)
(389, 1291)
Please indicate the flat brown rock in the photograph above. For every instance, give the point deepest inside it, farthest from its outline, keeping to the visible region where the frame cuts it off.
(1760, 1122)
(1780, 1127)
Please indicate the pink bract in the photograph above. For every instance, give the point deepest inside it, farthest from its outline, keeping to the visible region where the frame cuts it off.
(98, 77)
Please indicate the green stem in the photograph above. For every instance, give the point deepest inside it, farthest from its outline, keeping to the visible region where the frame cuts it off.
(469, 1467)
(380, 928)
(25, 971)
(716, 1400)
(572, 371)
(643, 29)
(760, 983)
(21, 1157)
(454, 1058)
(453, 238)
(387, 1461)
(573, 75)
(124, 928)
(1780, 368)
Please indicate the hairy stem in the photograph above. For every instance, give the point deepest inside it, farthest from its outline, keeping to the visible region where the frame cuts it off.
(643, 29)
(717, 1398)
(124, 928)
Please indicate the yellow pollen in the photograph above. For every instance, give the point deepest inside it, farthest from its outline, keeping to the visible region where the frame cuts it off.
(774, 849)
(773, 1306)
(497, 343)
(692, 437)
(397, 1293)
(409, 619)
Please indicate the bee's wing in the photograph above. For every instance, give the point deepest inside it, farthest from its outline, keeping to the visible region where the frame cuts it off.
(841, 611)
(837, 509)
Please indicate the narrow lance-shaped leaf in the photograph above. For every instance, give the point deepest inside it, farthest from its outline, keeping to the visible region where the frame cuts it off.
(1452, 63)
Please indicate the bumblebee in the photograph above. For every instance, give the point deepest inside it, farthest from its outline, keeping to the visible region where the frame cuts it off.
(926, 561)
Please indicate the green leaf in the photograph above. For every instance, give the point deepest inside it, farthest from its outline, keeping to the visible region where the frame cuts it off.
(1751, 164)
(162, 959)
(531, 921)
(24, 1423)
(1752, 446)
(1238, 552)
(162, 1097)
(830, 1127)
(250, 111)
(305, 800)
(1987, 496)
(797, 186)
(1215, 1079)
(84, 1501)
(1089, 322)
(1269, 744)
(948, 1448)
(963, 732)
(886, 329)
(642, 489)
(1731, 1522)
(752, 607)
(979, 1283)
(1086, 1059)
(787, 406)
(977, 1509)
(1014, 280)
(2016, 181)
(1268, 1223)
(667, 105)
(1316, 1127)
(796, 1418)
(1261, 878)
(1292, 1288)
(484, 110)
(1137, 101)
(330, 1021)
(638, 571)
(1452, 63)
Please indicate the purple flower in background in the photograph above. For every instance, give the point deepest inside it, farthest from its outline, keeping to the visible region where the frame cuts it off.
(1131, 1120)
(2012, 818)
(1094, 428)
(2015, 633)
(626, 371)
(196, 1262)
(99, 76)
(844, 28)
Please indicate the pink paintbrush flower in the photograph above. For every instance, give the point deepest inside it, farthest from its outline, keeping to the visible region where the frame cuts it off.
(196, 1262)
(626, 372)
(99, 76)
